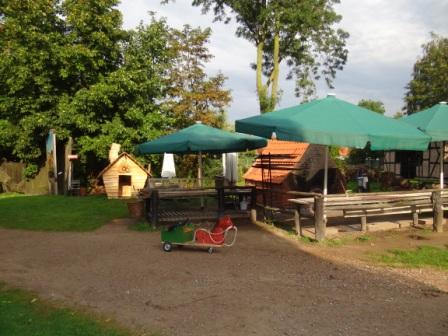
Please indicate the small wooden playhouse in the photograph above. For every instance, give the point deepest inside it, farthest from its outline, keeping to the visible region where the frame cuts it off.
(284, 166)
(124, 177)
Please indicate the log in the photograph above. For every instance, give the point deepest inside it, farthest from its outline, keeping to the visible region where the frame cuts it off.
(438, 211)
(319, 220)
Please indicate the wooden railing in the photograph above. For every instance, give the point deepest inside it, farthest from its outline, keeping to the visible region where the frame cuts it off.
(155, 214)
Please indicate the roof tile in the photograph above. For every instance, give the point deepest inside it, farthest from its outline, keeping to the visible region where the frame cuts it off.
(285, 154)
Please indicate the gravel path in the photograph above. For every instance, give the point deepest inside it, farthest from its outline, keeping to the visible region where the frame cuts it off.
(264, 285)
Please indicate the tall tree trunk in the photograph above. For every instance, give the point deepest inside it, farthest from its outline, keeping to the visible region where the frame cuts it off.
(268, 103)
(275, 73)
(261, 89)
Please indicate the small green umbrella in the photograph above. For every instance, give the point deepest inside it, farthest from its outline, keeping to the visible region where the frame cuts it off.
(331, 121)
(434, 122)
(200, 139)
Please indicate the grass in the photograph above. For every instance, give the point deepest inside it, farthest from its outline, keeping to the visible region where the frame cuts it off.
(336, 242)
(22, 314)
(422, 256)
(10, 194)
(143, 226)
(374, 186)
(59, 213)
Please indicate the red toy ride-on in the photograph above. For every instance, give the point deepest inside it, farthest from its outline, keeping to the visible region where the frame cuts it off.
(180, 234)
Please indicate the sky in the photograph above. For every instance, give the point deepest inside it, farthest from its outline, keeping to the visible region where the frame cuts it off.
(385, 41)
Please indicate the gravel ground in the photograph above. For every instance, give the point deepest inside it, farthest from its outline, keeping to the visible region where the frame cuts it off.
(264, 285)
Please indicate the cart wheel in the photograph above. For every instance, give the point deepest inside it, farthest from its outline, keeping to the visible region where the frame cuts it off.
(167, 246)
(210, 250)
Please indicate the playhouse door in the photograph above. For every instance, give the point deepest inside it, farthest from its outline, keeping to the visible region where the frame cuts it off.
(124, 186)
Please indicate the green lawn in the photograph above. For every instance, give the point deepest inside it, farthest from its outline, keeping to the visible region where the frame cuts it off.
(59, 213)
(21, 314)
(422, 256)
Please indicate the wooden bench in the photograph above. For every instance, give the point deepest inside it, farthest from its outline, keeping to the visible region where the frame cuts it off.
(371, 204)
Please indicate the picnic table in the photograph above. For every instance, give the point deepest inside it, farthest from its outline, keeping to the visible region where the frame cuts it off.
(156, 215)
(370, 204)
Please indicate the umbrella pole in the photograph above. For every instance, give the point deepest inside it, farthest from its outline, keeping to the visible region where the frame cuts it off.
(200, 177)
(442, 154)
(326, 172)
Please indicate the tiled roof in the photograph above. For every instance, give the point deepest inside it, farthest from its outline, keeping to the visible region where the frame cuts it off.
(284, 155)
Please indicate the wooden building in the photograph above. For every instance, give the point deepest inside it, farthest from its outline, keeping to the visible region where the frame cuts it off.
(284, 166)
(123, 177)
(413, 164)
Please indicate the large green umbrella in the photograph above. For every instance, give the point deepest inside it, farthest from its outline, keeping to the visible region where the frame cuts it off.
(200, 139)
(434, 122)
(331, 121)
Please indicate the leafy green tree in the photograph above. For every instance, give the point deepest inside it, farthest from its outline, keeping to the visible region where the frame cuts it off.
(192, 95)
(299, 33)
(94, 33)
(124, 106)
(360, 155)
(31, 39)
(428, 85)
(69, 66)
(372, 105)
(49, 51)
(398, 115)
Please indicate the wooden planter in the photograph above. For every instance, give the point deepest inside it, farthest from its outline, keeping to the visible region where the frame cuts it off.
(136, 208)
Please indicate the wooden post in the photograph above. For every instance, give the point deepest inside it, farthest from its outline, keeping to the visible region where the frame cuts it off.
(319, 220)
(148, 209)
(363, 223)
(414, 216)
(154, 208)
(437, 211)
(253, 205)
(297, 220)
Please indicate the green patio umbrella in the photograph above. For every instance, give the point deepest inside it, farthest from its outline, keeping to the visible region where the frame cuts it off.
(434, 122)
(200, 139)
(331, 121)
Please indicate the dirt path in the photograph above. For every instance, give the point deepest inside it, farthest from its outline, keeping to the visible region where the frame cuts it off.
(264, 285)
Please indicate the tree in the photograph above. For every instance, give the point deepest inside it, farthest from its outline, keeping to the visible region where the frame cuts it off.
(428, 85)
(372, 105)
(49, 51)
(398, 115)
(94, 33)
(360, 155)
(300, 33)
(31, 39)
(69, 66)
(192, 95)
(124, 106)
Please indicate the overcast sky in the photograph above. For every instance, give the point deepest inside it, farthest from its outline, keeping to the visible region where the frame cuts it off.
(385, 41)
